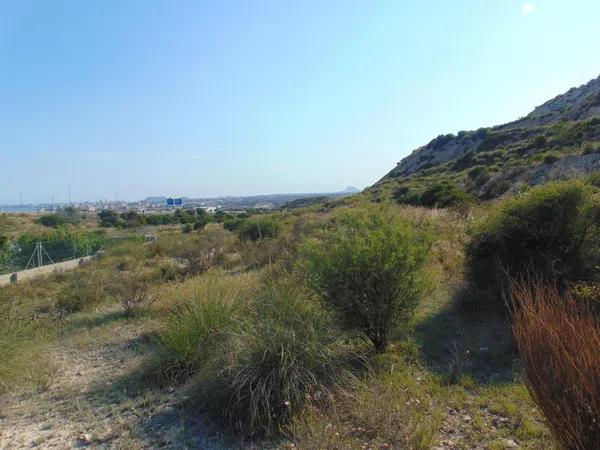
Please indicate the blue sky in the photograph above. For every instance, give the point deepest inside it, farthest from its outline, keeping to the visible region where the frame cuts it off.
(205, 98)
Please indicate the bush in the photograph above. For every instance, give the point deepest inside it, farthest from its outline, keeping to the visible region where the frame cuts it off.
(552, 229)
(285, 356)
(369, 267)
(590, 148)
(51, 220)
(208, 308)
(84, 288)
(259, 228)
(558, 339)
(205, 250)
(134, 292)
(443, 195)
(479, 175)
(593, 179)
(551, 159)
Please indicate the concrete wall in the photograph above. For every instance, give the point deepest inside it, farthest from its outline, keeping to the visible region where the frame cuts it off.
(44, 270)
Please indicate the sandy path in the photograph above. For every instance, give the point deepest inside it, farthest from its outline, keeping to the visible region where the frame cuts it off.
(92, 403)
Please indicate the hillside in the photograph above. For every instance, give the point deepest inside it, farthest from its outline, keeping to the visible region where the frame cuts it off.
(558, 139)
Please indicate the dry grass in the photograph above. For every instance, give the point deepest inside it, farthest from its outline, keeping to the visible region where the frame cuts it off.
(559, 342)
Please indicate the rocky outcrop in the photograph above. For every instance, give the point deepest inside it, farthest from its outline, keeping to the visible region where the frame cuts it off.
(578, 103)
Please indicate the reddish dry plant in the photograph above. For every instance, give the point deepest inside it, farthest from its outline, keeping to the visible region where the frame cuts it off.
(559, 341)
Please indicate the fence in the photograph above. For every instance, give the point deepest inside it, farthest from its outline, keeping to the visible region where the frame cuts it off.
(21, 256)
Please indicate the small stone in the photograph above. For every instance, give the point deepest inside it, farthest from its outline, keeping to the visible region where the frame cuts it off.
(510, 443)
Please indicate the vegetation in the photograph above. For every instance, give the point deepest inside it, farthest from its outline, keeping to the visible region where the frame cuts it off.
(284, 355)
(258, 228)
(205, 310)
(552, 230)
(558, 340)
(341, 325)
(133, 219)
(369, 267)
(495, 161)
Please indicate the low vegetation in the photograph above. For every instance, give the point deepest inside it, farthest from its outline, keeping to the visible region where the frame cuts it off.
(558, 339)
(552, 230)
(368, 265)
(336, 326)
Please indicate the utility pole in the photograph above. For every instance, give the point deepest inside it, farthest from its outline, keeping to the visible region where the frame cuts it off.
(21, 196)
(69, 193)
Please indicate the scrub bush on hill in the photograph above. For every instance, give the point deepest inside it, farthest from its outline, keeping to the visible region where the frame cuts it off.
(438, 195)
(443, 195)
(256, 228)
(134, 291)
(51, 220)
(207, 309)
(552, 230)
(205, 250)
(258, 353)
(558, 339)
(286, 354)
(83, 289)
(369, 266)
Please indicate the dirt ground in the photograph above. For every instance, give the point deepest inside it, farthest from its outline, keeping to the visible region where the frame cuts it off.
(94, 402)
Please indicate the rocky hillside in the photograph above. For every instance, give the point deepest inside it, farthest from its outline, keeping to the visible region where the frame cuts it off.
(557, 139)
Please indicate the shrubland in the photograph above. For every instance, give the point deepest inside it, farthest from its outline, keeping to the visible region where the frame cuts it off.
(346, 325)
(552, 231)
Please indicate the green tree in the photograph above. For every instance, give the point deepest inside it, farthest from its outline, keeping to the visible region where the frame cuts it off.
(259, 228)
(109, 218)
(51, 220)
(369, 266)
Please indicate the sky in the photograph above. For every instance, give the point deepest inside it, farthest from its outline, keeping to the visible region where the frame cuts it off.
(134, 98)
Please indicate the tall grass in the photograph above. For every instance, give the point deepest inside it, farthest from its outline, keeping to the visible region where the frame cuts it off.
(203, 311)
(286, 354)
(559, 342)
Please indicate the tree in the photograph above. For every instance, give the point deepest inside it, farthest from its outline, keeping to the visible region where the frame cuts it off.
(109, 218)
(369, 266)
(51, 220)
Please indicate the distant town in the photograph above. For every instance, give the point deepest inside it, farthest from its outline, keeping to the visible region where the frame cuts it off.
(161, 204)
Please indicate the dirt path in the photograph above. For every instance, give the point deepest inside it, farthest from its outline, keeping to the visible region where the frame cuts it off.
(94, 403)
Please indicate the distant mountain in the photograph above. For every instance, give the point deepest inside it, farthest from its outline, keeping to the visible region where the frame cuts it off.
(558, 139)
(351, 190)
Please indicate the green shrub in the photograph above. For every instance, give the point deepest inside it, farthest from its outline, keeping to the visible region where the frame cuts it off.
(286, 354)
(84, 288)
(168, 271)
(133, 290)
(205, 250)
(207, 309)
(551, 159)
(369, 267)
(594, 179)
(495, 188)
(443, 195)
(51, 220)
(478, 175)
(259, 228)
(590, 148)
(552, 229)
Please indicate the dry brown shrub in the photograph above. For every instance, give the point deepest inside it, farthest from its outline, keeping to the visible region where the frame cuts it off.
(559, 341)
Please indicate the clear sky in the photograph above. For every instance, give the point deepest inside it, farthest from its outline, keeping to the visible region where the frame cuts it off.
(205, 98)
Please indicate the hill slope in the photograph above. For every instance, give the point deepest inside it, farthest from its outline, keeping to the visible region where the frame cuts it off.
(558, 139)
